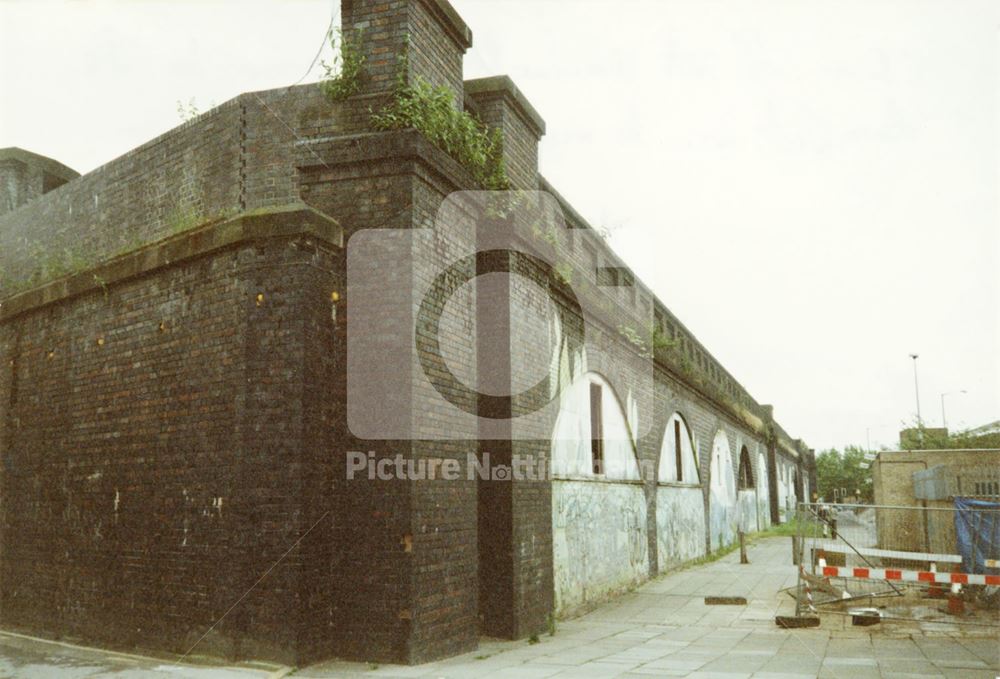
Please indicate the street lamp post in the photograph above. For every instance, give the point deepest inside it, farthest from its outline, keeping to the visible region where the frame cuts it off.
(944, 421)
(916, 387)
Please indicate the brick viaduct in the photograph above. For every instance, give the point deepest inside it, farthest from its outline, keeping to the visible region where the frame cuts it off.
(173, 385)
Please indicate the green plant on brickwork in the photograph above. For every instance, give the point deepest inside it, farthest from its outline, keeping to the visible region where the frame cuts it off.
(342, 77)
(99, 280)
(635, 338)
(564, 272)
(56, 263)
(187, 111)
(768, 434)
(52, 264)
(431, 110)
(661, 341)
(181, 219)
(49, 265)
(545, 233)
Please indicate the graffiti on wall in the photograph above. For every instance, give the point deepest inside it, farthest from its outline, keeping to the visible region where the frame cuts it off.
(680, 525)
(722, 494)
(680, 505)
(599, 540)
(599, 517)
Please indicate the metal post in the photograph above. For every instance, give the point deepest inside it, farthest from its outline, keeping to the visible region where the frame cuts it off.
(944, 421)
(916, 388)
(743, 548)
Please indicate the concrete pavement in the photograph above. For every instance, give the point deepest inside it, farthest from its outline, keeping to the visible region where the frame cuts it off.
(662, 629)
(24, 657)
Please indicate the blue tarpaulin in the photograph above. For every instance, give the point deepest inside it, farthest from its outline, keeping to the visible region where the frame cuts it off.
(977, 524)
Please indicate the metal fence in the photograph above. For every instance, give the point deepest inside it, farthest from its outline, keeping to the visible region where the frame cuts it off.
(935, 564)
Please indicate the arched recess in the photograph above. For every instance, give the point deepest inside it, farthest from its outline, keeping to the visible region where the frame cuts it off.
(763, 493)
(680, 506)
(746, 513)
(744, 480)
(587, 407)
(677, 453)
(598, 510)
(722, 493)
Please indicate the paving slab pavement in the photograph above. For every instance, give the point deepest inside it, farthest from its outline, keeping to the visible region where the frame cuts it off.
(662, 629)
(23, 657)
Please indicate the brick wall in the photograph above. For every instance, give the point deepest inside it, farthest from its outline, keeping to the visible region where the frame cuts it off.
(173, 422)
(430, 32)
(499, 104)
(152, 430)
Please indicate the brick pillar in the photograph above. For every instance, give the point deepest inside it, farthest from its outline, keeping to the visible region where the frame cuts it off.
(25, 176)
(772, 466)
(437, 37)
(500, 104)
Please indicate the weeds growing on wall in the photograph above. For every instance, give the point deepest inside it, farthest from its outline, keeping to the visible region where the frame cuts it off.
(342, 77)
(53, 264)
(431, 110)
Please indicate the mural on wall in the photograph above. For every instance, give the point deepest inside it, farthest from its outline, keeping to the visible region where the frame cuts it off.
(722, 494)
(598, 511)
(763, 493)
(680, 506)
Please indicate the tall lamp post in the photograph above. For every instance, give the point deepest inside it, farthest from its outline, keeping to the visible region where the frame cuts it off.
(916, 388)
(944, 421)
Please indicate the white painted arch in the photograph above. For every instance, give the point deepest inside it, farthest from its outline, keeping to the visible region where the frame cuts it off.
(722, 493)
(667, 468)
(680, 505)
(599, 544)
(571, 447)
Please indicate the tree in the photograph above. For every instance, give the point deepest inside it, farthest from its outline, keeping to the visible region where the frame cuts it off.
(917, 437)
(837, 470)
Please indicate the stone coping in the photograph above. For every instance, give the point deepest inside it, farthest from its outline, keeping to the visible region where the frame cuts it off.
(53, 167)
(502, 85)
(452, 22)
(283, 221)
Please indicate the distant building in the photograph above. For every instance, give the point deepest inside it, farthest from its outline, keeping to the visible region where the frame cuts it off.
(929, 478)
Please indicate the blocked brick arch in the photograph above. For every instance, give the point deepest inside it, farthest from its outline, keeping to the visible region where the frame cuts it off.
(680, 505)
(722, 499)
(598, 503)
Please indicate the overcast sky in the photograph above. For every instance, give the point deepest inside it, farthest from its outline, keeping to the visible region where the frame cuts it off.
(811, 186)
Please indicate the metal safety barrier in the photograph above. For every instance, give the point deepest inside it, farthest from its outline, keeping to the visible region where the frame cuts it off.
(929, 565)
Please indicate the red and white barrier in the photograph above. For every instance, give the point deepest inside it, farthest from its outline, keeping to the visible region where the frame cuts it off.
(909, 576)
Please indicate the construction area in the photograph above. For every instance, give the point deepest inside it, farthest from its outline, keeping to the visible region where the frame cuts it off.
(931, 566)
